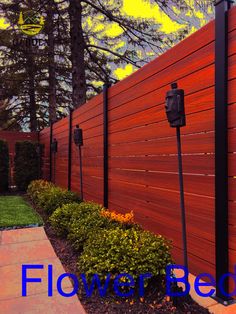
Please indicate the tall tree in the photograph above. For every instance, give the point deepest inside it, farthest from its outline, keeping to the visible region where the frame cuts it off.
(51, 61)
(77, 53)
(32, 97)
(8, 119)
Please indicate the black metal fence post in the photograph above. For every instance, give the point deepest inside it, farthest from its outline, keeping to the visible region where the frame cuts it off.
(78, 140)
(70, 148)
(50, 151)
(81, 174)
(182, 202)
(54, 167)
(221, 145)
(39, 153)
(105, 144)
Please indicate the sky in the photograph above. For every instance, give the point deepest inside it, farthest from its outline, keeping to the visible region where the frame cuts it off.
(144, 9)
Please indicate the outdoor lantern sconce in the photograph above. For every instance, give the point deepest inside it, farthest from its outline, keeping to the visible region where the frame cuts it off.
(176, 117)
(175, 106)
(78, 140)
(78, 136)
(54, 146)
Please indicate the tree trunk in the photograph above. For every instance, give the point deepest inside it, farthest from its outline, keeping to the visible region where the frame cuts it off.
(77, 54)
(51, 63)
(32, 103)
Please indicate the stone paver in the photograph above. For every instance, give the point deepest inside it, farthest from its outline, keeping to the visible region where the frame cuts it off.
(211, 304)
(25, 252)
(221, 309)
(24, 235)
(41, 304)
(31, 246)
(12, 278)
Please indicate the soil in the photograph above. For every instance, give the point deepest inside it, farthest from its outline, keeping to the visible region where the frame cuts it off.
(154, 301)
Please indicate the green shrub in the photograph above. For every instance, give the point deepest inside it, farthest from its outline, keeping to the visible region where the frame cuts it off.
(4, 166)
(27, 163)
(77, 221)
(84, 221)
(37, 187)
(131, 251)
(60, 218)
(54, 197)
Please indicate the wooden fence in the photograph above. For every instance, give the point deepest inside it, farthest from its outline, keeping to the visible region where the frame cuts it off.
(143, 152)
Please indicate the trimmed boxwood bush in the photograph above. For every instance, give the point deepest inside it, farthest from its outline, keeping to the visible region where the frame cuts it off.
(50, 197)
(85, 221)
(131, 251)
(37, 187)
(54, 197)
(4, 166)
(27, 164)
(77, 221)
(61, 217)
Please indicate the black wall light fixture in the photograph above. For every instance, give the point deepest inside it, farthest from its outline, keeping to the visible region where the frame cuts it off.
(176, 117)
(78, 140)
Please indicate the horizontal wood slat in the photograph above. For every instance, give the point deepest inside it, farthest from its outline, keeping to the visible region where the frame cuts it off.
(197, 164)
(192, 144)
(195, 184)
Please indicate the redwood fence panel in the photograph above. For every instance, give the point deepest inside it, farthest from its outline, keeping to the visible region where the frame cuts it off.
(142, 148)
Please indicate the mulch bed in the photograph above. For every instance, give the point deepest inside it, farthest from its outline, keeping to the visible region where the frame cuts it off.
(154, 301)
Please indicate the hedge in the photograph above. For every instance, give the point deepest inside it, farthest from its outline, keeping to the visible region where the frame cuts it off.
(68, 218)
(50, 197)
(4, 166)
(132, 251)
(28, 163)
(37, 187)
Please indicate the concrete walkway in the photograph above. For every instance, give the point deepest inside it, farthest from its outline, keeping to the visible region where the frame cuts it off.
(31, 246)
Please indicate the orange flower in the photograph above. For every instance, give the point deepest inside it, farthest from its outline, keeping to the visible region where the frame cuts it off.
(123, 218)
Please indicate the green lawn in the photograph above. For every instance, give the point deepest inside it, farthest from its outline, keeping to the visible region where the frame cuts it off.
(14, 211)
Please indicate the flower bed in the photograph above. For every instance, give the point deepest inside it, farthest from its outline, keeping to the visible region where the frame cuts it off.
(103, 242)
